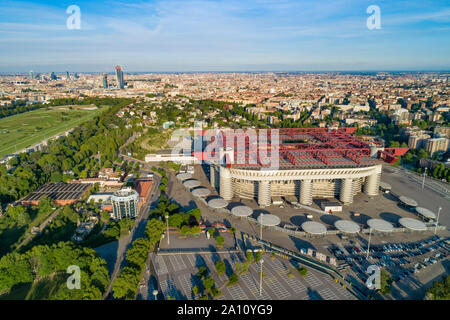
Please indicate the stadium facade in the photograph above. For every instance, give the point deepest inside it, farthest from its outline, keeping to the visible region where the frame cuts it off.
(310, 163)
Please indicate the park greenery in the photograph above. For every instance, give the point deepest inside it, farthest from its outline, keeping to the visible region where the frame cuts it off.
(208, 288)
(17, 107)
(18, 222)
(125, 286)
(70, 156)
(41, 273)
(126, 283)
(114, 230)
(61, 228)
(440, 290)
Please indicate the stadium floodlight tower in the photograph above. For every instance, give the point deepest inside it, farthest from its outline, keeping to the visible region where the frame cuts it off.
(226, 155)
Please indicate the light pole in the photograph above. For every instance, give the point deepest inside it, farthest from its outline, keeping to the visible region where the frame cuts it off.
(368, 244)
(260, 278)
(424, 174)
(155, 293)
(260, 233)
(437, 220)
(168, 237)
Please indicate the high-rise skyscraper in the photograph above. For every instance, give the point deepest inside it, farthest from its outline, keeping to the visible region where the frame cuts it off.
(105, 81)
(31, 74)
(67, 75)
(53, 76)
(119, 77)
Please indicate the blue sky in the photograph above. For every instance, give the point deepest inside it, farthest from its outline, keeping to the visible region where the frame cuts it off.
(224, 35)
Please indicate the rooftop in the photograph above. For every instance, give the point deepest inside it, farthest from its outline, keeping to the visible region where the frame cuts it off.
(307, 148)
(58, 191)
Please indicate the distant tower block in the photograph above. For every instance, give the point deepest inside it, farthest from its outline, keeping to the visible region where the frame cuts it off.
(264, 194)
(372, 184)
(306, 192)
(346, 195)
(226, 184)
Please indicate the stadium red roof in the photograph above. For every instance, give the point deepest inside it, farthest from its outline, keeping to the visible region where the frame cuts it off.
(296, 148)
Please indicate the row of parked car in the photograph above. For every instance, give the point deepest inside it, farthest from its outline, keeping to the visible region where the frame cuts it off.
(393, 256)
(405, 249)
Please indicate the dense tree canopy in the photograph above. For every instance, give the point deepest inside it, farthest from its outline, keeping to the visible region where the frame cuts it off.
(43, 262)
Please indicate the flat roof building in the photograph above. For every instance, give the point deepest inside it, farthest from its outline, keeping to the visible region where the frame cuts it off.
(61, 193)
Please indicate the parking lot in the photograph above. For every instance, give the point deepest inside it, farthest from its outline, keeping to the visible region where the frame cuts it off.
(176, 275)
(402, 260)
(384, 206)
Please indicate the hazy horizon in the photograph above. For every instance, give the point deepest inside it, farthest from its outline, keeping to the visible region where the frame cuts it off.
(224, 35)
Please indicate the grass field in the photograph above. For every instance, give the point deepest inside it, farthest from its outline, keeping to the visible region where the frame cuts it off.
(27, 129)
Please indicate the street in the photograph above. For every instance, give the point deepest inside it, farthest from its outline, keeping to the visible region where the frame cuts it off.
(137, 231)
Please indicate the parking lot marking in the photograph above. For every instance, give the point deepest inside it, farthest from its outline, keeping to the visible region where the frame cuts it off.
(160, 266)
(312, 280)
(251, 284)
(296, 285)
(186, 285)
(237, 293)
(191, 259)
(275, 285)
(327, 294)
(169, 289)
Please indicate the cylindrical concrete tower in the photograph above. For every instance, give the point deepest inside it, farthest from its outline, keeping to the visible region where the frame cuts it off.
(226, 155)
(264, 194)
(306, 192)
(226, 184)
(212, 175)
(372, 184)
(346, 194)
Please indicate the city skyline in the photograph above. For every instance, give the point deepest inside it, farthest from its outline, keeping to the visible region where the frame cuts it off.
(225, 36)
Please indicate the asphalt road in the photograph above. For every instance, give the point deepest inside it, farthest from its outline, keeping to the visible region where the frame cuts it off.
(137, 231)
(408, 184)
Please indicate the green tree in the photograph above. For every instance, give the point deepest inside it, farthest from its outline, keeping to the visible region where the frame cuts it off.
(220, 241)
(185, 230)
(385, 282)
(232, 279)
(302, 271)
(208, 283)
(202, 272)
(195, 290)
(440, 290)
(249, 255)
(196, 230)
(125, 285)
(220, 267)
(154, 230)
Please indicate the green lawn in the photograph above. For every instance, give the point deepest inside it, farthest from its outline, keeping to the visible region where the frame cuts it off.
(26, 129)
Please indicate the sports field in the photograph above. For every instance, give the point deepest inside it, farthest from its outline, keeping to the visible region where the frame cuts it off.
(27, 129)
